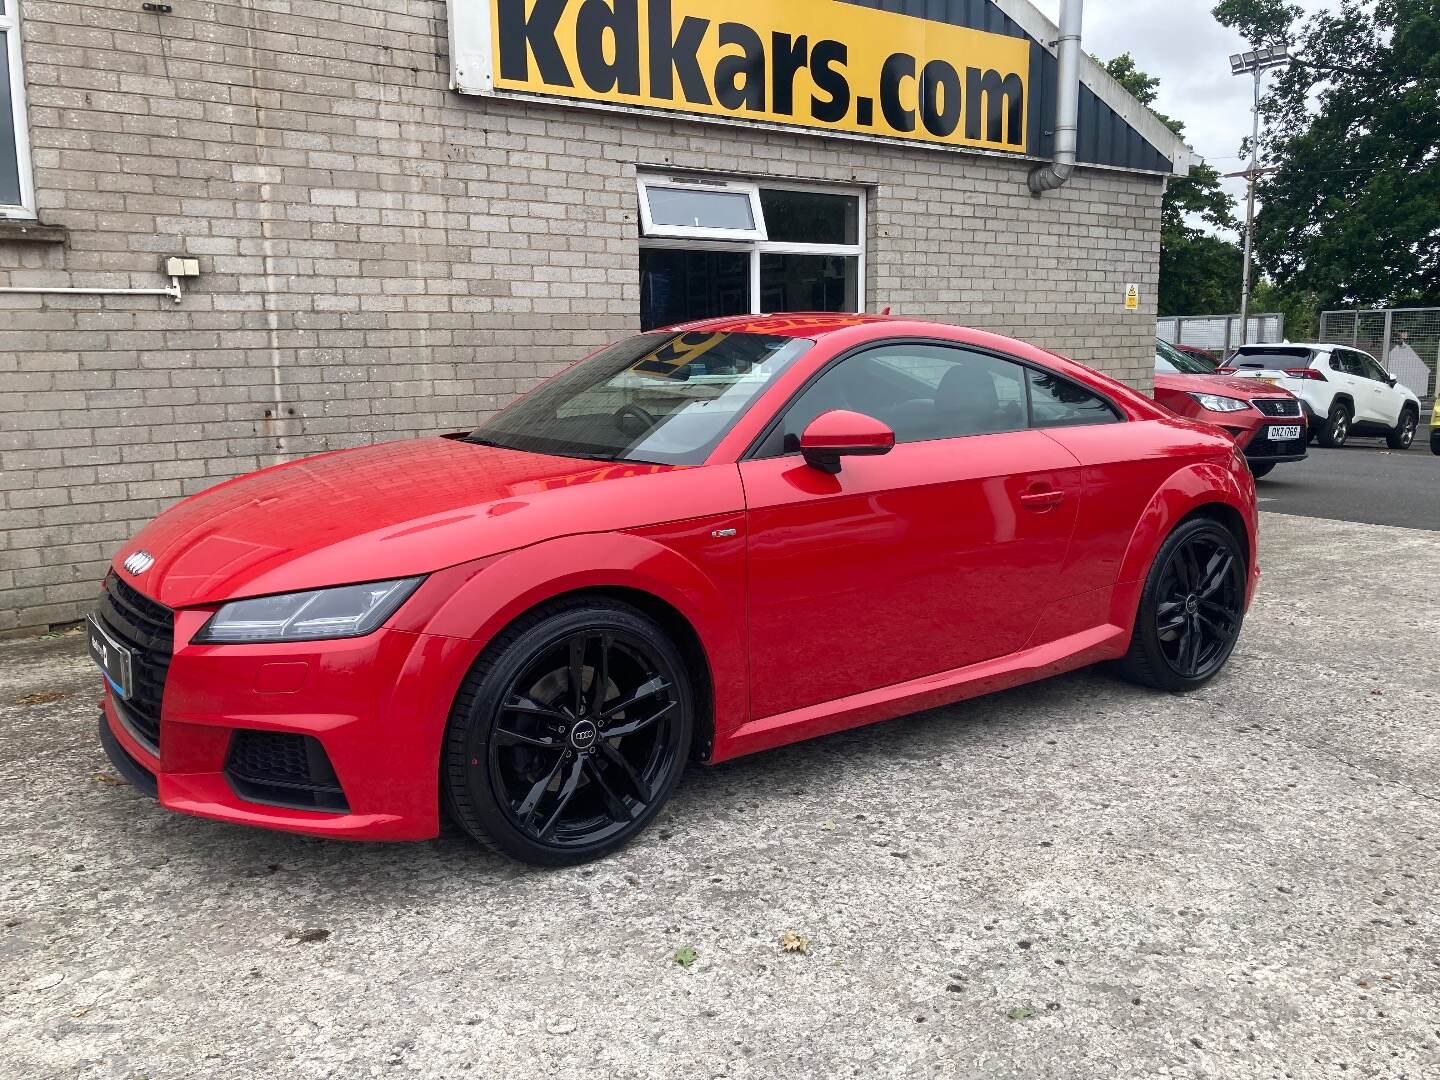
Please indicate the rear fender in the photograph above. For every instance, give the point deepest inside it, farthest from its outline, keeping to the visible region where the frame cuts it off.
(1184, 492)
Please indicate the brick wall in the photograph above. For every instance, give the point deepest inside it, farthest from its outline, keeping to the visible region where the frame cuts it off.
(382, 258)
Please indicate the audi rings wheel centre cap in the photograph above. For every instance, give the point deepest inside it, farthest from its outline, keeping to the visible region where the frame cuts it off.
(583, 735)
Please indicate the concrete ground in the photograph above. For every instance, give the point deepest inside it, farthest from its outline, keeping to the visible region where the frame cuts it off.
(1363, 481)
(1075, 879)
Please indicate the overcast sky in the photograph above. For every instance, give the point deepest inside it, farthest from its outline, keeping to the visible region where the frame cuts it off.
(1180, 42)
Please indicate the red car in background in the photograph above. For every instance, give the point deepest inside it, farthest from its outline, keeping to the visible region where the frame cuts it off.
(697, 543)
(1267, 422)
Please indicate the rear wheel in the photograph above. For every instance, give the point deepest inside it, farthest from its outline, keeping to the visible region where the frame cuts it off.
(1258, 471)
(569, 734)
(1337, 426)
(1404, 433)
(1191, 609)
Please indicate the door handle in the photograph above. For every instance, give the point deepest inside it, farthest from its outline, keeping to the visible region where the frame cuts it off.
(1041, 501)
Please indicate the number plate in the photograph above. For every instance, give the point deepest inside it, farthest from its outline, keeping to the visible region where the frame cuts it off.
(110, 656)
(1284, 433)
(1272, 382)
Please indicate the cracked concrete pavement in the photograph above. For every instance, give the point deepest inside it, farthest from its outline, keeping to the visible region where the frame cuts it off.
(1073, 879)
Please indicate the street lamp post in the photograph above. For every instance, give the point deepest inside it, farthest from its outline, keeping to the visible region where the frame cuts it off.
(1254, 63)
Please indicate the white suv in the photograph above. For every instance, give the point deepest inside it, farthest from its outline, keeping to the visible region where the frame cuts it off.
(1344, 391)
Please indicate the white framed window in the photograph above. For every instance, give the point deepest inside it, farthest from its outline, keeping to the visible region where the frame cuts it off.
(731, 247)
(17, 191)
(700, 209)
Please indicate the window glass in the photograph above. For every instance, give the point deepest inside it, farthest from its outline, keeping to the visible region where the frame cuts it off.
(659, 398)
(921, 391)
(1373, 370)
(1058, 402)
(682, 285)
(811, 217)
(9, 159)
(1346, 362)
(700, 208)
(1170, 360)
(809, 282)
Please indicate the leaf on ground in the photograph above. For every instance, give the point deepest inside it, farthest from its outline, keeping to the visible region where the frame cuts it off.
(106, 778)
(686, 956)
(43, 698)
(1021, 1012)
(790, 941)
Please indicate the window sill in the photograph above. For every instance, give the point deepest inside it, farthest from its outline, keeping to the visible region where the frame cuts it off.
(30, 231)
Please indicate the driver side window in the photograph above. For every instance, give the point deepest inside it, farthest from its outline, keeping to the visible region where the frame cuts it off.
(920, 391)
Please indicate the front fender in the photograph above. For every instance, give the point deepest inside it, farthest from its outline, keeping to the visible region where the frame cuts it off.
(1183, 492)
(480, 602)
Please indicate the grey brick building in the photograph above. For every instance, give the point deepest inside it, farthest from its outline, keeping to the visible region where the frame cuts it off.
(381, 256)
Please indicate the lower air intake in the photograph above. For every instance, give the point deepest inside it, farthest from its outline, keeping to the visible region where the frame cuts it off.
(283, 769)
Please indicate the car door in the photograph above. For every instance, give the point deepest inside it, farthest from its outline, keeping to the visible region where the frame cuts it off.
(1348, 375)
(1385, 399)
(937, 555)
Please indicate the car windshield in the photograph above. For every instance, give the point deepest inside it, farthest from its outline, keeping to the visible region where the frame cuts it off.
(663, 398)
(1171, 361)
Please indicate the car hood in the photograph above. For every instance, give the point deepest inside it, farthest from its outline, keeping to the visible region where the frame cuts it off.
(387, 511)
(1219, 384)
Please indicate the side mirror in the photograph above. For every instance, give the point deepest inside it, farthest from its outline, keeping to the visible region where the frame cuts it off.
(841, 433)
(1393, 381)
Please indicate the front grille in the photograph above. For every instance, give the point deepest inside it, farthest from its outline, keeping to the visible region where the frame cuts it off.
(283, 769)
(1278, 406)
(146, 628)
(1265, 448)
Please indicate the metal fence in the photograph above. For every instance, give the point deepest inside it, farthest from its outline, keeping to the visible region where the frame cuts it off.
(1220, 333)
(1405, 340)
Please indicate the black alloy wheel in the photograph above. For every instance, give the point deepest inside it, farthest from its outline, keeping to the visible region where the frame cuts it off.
(1202, 602)
(570, 734)
(1191, 609)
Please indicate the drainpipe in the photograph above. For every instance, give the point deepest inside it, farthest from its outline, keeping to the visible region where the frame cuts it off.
(1067, 103)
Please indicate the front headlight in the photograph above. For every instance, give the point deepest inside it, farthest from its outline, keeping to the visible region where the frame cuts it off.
(1216, 403)
(340, 612)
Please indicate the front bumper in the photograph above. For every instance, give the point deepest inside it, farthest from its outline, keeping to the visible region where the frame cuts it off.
(376, 705)
(1260, 450)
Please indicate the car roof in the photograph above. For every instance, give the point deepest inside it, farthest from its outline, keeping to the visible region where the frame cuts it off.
(800, 324)
(1319, 346)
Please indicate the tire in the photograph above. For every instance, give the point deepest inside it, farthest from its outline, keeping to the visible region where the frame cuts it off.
(1404, 433)
(1195, 552)
(1435, 441)
(1337, 426)
(525, 769)
(1258, 471)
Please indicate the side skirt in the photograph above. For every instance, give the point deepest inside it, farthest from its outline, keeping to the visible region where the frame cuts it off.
(1079, 650)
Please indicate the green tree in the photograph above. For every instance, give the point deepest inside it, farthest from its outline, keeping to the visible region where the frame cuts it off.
(1351, 202)
(1199, 270)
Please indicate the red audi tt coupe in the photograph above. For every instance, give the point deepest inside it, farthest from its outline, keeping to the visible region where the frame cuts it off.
(694, 544)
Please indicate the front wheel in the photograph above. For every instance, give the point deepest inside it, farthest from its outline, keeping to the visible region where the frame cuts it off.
(1191, 609)
(569, 734)
(1404, 433)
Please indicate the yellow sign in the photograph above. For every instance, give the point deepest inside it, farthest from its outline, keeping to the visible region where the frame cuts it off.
(679, 351)
(820, 64)
(1132, 298)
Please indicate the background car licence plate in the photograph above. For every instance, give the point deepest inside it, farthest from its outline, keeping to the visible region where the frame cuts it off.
(112, 658)
(1284, 432)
